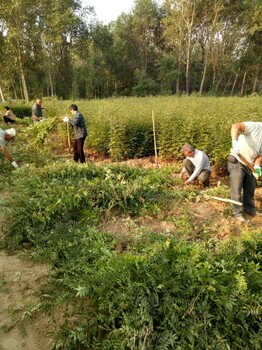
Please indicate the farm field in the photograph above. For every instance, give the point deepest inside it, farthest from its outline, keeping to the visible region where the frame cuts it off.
(118, 253)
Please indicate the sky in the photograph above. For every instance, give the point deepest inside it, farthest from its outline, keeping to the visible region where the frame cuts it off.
(109, 10)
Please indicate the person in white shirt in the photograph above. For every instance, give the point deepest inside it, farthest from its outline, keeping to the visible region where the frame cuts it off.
(196, 166)
(247, 142)
(5, 136)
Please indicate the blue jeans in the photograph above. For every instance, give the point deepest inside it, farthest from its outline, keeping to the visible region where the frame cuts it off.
(242, 188)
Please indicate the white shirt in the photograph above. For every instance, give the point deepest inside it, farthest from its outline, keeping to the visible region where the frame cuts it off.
(200, 161)
(250, 142)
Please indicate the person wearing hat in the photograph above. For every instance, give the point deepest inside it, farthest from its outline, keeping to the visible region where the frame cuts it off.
(80, 132)
(5, 136)
(9, 117)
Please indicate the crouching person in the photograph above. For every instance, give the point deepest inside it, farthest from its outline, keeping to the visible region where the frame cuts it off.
(196, 166)
(5, 136)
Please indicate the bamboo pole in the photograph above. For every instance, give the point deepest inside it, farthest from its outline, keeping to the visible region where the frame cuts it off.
(154, 131)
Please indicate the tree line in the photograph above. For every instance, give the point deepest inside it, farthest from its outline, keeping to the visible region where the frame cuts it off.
(58, 48)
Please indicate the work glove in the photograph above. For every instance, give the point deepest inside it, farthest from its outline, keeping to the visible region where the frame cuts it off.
(15, 165)
(258, 172)
(235, 147)
(66, 119)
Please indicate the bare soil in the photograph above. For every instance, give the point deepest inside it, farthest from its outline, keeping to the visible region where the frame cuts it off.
(20, 279)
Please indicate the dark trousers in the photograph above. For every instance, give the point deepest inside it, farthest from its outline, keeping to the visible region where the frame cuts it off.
(242, 187)
(8, 120)
(79, 150)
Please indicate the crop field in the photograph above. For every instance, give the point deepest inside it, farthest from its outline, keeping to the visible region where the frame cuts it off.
(132, 258)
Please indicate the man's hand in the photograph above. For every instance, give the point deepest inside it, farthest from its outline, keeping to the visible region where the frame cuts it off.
(15, 165)
(187, 182)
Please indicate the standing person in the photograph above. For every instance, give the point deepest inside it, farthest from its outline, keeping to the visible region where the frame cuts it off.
(80, 133)
(9, 117)
(196, 166)
(247, 141)
(37, 108)
(5, 136)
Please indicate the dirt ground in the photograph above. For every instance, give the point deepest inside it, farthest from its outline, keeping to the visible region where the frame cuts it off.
(20, 279)
(19, 282)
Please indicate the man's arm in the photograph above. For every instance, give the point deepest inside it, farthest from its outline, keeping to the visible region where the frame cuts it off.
(6, 154)
(258, 161)
(237, 129)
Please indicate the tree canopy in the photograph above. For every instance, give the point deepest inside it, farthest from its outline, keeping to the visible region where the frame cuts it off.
(57, 48)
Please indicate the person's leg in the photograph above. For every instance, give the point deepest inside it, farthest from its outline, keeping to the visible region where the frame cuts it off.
(81, 150)
(204, 177)
(6, 119)
(189, 166)
(237, 175)
(76, 154)
(249, 186)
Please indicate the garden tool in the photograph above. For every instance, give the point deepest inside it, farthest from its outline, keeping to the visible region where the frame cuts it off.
(249, 165)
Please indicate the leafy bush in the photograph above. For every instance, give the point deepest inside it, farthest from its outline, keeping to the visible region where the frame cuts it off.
(69, 192)
(21, 111)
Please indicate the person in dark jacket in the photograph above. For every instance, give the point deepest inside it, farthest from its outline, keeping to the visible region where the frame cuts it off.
(80, 132)
(37, 108)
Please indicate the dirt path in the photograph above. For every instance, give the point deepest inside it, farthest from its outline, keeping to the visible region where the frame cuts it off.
(19, 281)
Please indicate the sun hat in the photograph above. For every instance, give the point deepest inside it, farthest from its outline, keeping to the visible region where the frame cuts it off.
(11, 132)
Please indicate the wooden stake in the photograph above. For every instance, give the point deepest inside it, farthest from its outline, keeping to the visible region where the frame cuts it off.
(154, 131)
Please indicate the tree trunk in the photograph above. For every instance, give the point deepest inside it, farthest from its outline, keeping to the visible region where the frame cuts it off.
(255, 79)
(1, 94)
(178, 77)
(21, 90)
(13, 86)
(24, 86)
(189, 49)
(51, 84)
(22, 75)
(234, 84)
(243, 83)
(216, 88)
(227, 84)
(203, 77)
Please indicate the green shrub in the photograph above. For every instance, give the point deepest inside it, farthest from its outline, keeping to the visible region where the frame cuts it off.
(22, 111)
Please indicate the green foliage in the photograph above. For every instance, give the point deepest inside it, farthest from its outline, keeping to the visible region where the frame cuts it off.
(146, 86)
(174, 296)
(21, 111)
(162, 291)
(62, 193)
